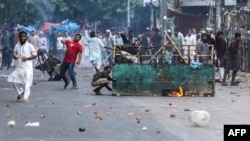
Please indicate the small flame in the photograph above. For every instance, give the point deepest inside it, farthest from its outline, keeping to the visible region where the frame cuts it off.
(177, 93)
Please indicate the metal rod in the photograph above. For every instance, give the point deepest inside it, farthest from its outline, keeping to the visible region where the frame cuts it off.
(172, 42)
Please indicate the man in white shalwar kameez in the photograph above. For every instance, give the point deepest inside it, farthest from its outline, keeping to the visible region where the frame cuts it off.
(189, 48)
(95, 53)
(22, 76)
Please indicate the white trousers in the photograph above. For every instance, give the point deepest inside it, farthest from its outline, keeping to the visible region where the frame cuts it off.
(221, 69)
(98, 65)
(23, 88)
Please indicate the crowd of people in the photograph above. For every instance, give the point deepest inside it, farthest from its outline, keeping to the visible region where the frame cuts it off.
(207, 47)
(26, 50)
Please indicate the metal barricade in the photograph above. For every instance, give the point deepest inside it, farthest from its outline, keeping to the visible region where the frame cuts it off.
(153, 75)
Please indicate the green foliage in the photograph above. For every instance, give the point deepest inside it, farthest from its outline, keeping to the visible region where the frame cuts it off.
(28, 12)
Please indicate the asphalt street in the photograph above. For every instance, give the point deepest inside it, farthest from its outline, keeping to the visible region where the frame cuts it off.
(55, 114)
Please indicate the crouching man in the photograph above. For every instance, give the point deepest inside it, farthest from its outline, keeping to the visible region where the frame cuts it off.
(102, 79)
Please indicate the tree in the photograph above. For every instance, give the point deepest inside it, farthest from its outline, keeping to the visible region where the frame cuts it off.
(25, 12)
(30, 12)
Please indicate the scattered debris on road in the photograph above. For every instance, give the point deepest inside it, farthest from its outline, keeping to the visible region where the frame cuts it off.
(11, 123)
(42, 116)
(138, 119)
(172, 115)
(81, 129)
(144, 128)
(32, 124)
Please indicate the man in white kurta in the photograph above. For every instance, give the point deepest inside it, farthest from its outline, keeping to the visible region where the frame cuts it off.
(22, 76)
(95, 53)
(189, 48)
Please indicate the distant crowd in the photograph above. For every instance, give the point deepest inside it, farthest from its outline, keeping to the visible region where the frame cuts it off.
(205, 46)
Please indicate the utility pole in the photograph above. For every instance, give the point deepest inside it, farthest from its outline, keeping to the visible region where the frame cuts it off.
(128, 14)
(151, 15)
(163, 17)
(218, 14)
(165, 11)
(248, 41)
(162, 28)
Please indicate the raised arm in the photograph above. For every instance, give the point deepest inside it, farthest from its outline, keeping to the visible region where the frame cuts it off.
(86, 34)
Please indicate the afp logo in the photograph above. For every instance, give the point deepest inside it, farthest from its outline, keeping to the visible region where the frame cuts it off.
(236, 132)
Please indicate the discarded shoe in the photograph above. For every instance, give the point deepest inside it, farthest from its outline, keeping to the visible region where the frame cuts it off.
(66, 85)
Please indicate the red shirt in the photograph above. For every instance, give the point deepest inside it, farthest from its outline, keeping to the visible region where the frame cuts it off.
(73, 48)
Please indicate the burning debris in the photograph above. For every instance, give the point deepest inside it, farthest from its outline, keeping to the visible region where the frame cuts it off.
(177, 93)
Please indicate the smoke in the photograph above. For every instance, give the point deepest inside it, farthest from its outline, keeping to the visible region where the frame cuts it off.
(42, 9)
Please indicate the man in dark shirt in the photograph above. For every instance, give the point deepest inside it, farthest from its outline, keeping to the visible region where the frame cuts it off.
(144, 46)
(49, 65)
(6, 50)
(52, 40)
(231, 60)
(156, 41)
(221, 47)
(210, 41)
(102, 79)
